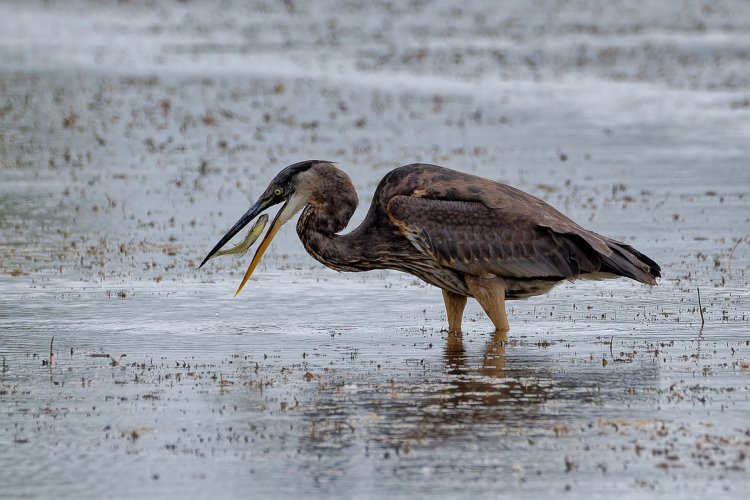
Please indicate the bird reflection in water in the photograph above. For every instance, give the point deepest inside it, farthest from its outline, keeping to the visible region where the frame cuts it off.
(491, 383)
(466, 397)
(493, 361)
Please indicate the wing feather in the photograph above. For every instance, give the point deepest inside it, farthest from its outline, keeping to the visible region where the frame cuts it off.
(475, 239)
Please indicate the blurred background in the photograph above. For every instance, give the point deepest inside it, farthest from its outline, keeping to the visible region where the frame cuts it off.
(157, 122)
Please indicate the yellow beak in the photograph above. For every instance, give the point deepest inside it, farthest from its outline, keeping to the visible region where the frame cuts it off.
(277, 223)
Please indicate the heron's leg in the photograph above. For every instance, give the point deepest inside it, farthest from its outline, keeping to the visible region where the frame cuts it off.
(490, 293)
(454, 306)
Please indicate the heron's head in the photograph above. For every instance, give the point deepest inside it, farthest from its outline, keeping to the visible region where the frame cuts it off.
(296, 186)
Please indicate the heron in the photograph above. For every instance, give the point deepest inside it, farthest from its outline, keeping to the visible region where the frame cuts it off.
(467, 235)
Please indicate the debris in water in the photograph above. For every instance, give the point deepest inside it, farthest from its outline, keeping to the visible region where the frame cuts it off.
(134, 434)
(115, 361)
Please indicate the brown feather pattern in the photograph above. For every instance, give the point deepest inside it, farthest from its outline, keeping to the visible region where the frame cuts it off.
(442, 225)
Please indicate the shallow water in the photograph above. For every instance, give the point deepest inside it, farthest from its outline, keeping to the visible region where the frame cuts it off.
(123, 163)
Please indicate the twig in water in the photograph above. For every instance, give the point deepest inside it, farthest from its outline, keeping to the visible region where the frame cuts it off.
(50, 352)
(116, 361)
(700, 308)
(731, 254)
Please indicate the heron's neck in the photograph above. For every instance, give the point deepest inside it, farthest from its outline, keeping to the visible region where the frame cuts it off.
(320, 222)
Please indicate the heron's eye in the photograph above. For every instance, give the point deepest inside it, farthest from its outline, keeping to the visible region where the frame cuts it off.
(277, 192)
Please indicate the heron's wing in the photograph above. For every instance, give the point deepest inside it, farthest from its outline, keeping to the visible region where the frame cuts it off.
(441, 184)
(516, 241)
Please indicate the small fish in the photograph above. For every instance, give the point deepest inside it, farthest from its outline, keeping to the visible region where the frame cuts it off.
(252, 235)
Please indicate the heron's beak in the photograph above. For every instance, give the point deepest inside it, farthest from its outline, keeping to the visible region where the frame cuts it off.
(251, 214)
(278, 221)
(293, 205)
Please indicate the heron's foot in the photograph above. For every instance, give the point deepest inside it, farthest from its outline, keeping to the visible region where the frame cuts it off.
(499, 336)
(454, 337)
(502, 332)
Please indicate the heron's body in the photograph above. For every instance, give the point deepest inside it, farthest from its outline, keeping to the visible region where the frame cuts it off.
(469, 236)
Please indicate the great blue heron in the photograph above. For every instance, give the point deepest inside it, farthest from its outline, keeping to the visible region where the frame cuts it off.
(468, 236)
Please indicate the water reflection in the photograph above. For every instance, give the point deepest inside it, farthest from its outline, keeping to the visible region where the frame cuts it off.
(483, 389)
(493, 361)
(467, 396)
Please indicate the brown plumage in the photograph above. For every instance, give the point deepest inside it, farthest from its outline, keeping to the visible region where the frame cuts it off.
(469, 236)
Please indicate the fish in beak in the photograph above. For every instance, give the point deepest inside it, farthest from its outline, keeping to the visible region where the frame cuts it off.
(252, 235)
(291, 207)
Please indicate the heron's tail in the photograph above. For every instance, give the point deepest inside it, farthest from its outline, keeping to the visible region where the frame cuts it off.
(627, 261)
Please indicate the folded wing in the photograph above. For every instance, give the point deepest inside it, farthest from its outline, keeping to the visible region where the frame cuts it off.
(524, 238)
